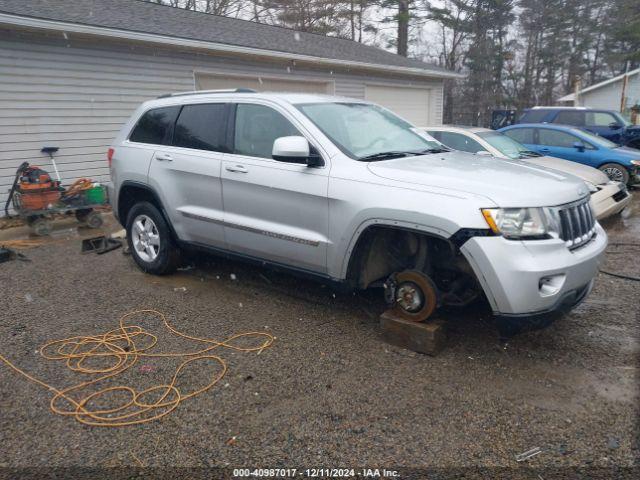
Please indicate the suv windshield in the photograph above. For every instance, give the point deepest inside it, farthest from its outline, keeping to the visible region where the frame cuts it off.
(368, 132)
(506, 145)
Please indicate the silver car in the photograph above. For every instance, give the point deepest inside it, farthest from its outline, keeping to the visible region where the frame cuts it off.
(608, 197)
(347, 192)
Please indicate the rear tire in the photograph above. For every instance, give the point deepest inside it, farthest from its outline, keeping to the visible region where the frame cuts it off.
(150, 241)
(615, 172)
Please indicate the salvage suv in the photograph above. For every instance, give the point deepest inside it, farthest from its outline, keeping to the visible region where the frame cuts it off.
(345, 191)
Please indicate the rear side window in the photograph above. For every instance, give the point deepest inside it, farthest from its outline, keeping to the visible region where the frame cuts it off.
(257, 127)
(202, 127)
(154, 126)
(568, 117)
(522, 135)
(533, 116)
(460, 142)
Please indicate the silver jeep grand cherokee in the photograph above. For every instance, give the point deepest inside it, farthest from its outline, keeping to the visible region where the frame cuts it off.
(346, 191)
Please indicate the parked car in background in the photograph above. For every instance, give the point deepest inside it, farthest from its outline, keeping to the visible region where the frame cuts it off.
(345, 191)
(606, 123)
(608, 197)
(621, 164)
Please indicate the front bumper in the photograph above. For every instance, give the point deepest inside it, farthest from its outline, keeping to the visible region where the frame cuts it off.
(510, 325)
(528, 278)
(610, 200)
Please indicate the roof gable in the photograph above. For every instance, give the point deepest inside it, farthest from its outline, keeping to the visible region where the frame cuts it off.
(604, 83)
(165, 21)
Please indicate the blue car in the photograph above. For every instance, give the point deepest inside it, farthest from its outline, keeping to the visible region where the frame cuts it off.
(621, 164)
(606, 123)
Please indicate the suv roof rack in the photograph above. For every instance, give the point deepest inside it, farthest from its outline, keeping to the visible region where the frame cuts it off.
(207, 92)
(541, 107)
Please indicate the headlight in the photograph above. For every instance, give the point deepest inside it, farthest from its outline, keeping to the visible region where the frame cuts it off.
(592, 187)
(523, 223)
(635, 162)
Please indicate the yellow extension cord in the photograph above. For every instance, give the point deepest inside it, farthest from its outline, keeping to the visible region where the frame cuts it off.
(123, 347)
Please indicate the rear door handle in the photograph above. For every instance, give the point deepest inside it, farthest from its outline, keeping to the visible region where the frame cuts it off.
(164, 157)
(236, 169)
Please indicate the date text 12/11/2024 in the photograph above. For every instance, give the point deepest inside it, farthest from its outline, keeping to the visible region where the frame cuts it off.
(314, 473)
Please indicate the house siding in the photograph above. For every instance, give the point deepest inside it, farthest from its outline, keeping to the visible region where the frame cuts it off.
(609, 96)
(75, 92)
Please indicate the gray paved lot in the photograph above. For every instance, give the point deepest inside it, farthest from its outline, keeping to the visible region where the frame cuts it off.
(329, 392)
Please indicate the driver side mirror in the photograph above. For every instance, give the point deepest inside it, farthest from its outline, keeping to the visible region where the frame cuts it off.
(579, 146)
(295, 149)
(614, 125)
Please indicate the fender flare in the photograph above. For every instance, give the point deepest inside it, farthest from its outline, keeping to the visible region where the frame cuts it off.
(156, 199)
(387, 223)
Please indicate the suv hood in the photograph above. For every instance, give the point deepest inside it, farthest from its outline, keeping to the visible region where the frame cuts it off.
(508, 183)
(584, 172)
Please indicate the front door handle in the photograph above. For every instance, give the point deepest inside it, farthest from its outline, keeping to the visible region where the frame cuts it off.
(236, 169)
(164, 157)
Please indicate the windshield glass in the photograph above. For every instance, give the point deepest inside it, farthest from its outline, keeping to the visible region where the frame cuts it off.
(362, 130)
(506, 145)
(624, 119)
(596, 139)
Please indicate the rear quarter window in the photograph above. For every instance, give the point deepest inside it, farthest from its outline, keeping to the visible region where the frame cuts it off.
(153, 127)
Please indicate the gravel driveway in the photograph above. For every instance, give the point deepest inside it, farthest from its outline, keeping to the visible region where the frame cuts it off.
(329, 392)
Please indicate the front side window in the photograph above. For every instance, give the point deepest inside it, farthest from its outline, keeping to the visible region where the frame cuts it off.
(361, 130)
(257, 127)
(570, 117)
(461, 142)
(556, 138)
(596, 140)
(154, 125)
(600, 119)
(202, 127)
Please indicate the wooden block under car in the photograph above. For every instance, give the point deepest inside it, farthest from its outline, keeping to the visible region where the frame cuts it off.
(429, 337)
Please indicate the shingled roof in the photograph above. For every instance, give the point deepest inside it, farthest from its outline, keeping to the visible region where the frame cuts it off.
(159, 20)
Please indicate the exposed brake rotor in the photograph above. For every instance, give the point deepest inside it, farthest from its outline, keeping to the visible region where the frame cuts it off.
(413, 295)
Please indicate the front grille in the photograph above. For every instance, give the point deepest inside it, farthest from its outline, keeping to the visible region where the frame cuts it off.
(577, 223)
(621, 195)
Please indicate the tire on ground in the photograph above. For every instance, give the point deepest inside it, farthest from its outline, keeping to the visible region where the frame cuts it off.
(616, 166)
(168, 258)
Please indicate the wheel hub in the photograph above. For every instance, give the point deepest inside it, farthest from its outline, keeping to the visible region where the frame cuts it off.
(145, 238)
(409, 297)
(614, 174)
(413, 295)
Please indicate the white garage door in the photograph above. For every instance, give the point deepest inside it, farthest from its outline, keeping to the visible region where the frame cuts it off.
(260, 84)
(411, 104)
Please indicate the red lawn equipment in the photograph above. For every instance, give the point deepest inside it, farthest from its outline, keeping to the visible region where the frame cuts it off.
(36, 196)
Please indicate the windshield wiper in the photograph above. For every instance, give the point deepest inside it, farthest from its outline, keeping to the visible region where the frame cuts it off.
(386, 155)
(399, 153)
(529, 153)
(433, 150)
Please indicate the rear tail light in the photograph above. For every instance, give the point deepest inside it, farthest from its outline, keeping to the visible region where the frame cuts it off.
(110, 156)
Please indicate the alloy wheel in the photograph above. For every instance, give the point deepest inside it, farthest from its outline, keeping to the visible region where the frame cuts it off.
(145, 238)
